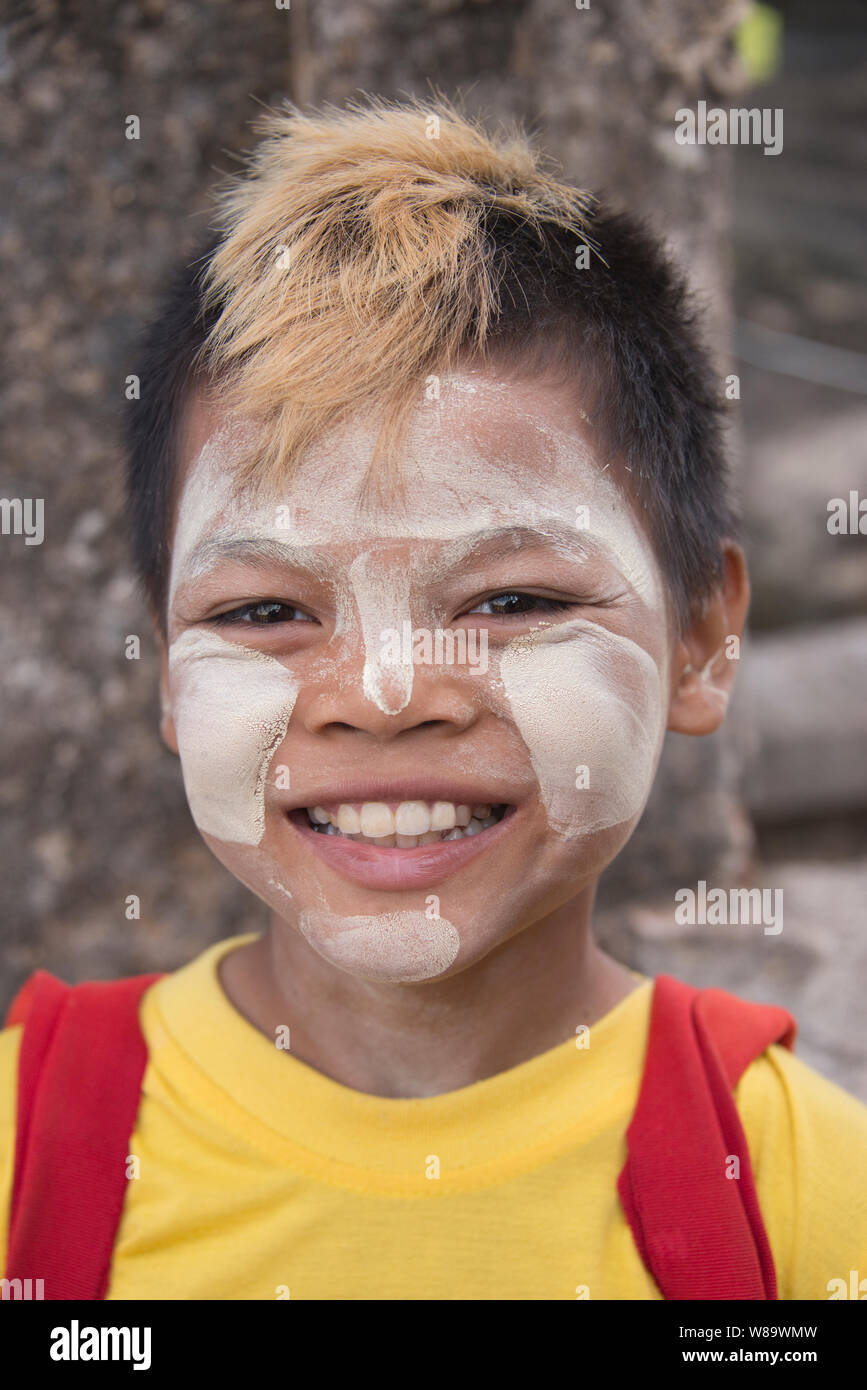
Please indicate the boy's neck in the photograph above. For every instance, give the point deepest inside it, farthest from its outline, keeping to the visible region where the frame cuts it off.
(416, 1040)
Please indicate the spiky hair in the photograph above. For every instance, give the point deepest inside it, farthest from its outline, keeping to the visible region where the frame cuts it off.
(355, 258)
(359, 251)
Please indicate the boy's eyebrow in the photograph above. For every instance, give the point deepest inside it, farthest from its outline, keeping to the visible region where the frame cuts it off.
(261, 551)
(554, 534)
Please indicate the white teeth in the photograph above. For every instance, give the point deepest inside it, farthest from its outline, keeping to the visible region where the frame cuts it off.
(377, 822)
(442, 815)
(412, 818)
(348, 820)
(413, 823)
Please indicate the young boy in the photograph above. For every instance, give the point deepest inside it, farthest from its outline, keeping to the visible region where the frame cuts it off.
(429, 502)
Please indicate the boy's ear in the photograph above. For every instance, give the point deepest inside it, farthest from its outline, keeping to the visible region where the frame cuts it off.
(706, 657)
(167, 723)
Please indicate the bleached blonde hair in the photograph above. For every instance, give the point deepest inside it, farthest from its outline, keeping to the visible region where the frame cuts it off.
(354, 261)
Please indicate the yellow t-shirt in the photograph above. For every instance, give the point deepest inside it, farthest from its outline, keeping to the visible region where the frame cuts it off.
(260, 1178)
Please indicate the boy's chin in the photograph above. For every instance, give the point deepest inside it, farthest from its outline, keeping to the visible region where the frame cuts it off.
(418, 935)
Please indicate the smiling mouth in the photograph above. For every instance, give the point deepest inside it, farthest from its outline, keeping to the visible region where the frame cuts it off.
(401, 825)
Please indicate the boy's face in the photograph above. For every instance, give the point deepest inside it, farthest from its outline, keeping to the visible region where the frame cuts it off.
(494, 633)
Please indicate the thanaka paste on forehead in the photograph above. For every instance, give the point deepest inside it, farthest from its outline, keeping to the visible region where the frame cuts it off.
(332, 513)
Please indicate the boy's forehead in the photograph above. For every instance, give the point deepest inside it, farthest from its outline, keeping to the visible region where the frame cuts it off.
(481, 455)
(476, 431)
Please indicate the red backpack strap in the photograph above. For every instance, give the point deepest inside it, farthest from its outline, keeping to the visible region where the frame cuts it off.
(80, 1069)
(699, 1232)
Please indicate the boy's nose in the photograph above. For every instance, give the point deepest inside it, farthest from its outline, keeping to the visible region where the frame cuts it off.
(433, 696)
(388, 672)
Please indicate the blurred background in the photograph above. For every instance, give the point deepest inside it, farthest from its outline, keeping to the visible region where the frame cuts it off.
(93, 812)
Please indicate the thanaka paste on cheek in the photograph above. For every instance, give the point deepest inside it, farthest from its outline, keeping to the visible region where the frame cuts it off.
(588, 704)
(231, 707)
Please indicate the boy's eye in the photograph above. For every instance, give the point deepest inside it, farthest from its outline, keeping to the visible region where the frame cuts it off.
(509, 604)
(264, 614)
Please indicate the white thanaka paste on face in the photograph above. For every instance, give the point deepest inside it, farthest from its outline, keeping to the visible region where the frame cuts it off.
(382, 597)
(386, 947)
(231, 709)
(584, 697)
(559, 691)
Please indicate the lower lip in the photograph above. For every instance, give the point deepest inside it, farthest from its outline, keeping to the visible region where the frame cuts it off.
(394, 869)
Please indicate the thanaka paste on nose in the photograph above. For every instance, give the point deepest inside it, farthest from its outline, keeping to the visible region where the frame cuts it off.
(381, 589)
